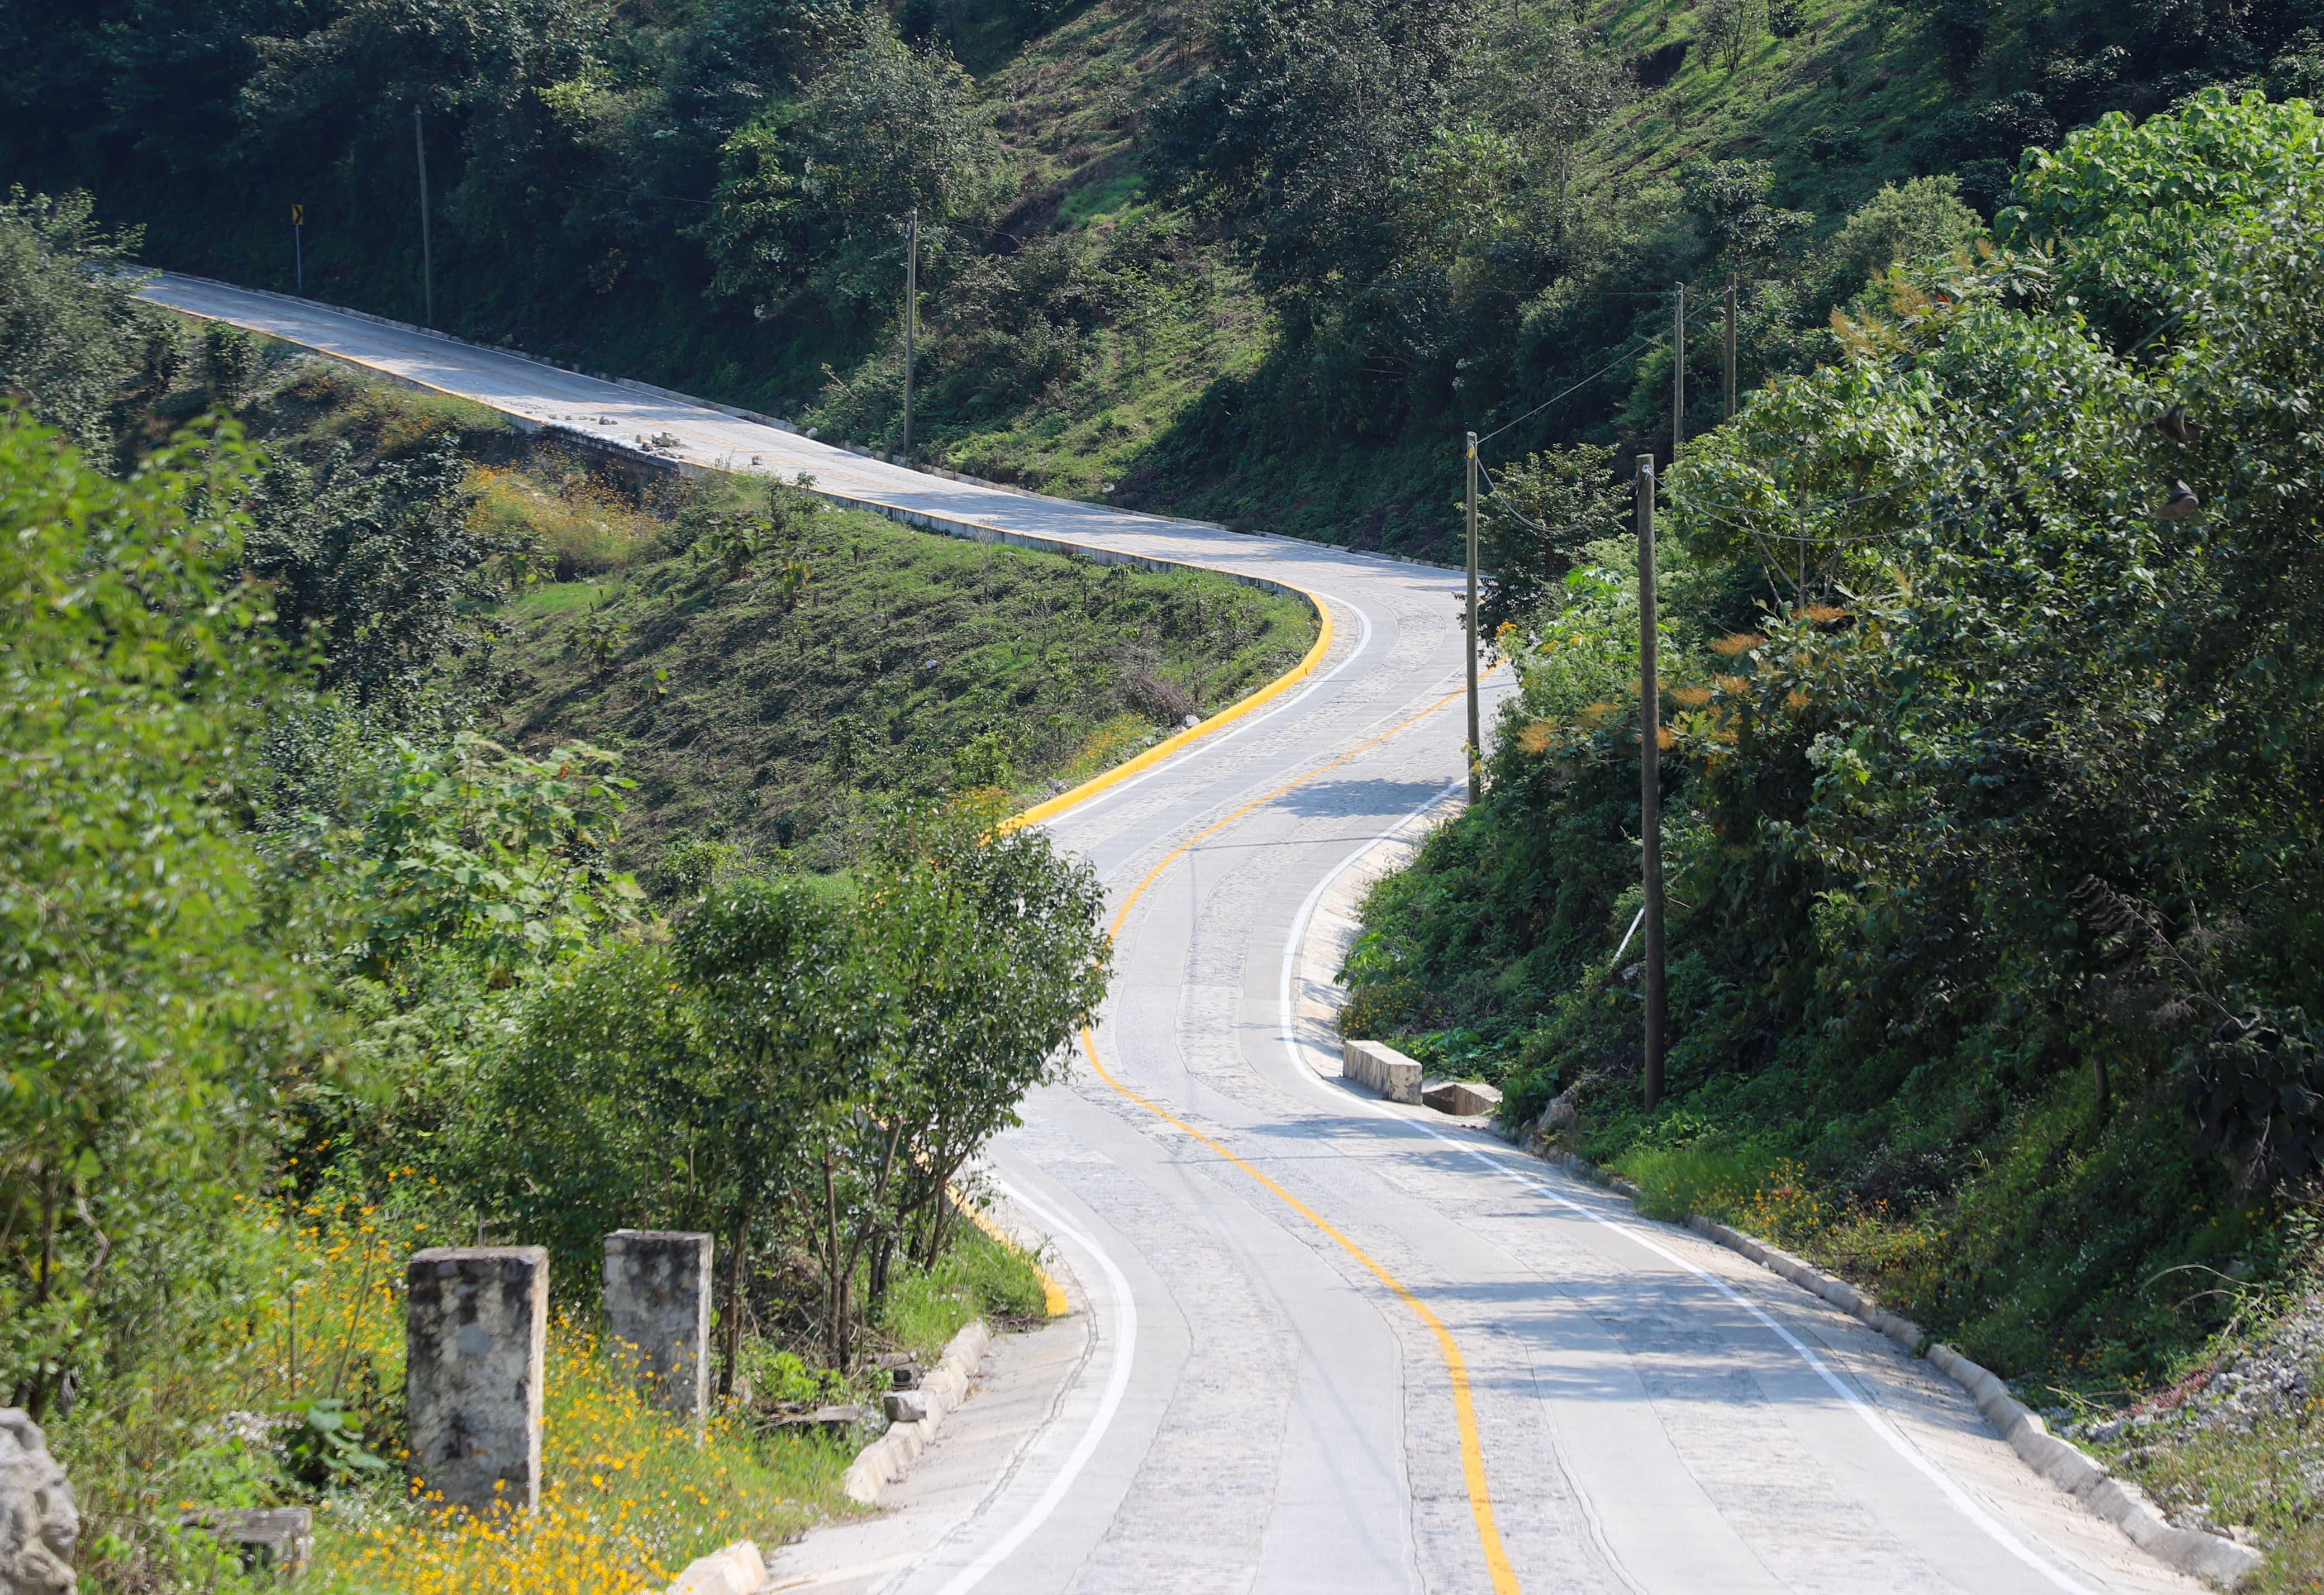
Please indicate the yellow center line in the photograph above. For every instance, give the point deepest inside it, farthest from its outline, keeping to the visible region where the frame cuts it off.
(1464, 1410)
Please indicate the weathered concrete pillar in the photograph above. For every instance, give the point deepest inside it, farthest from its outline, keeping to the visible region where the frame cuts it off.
(477, 1331)
(658, 1304)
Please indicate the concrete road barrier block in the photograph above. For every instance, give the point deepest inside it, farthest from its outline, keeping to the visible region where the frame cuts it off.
(1462, 1098)
(1382, 1069)
(658, 1304)
(476, 1328)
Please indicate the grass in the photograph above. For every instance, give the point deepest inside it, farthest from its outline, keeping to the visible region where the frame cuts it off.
(581, 525)
(628, 1498)
(851, 657)
(978, 1277)
(769, 713)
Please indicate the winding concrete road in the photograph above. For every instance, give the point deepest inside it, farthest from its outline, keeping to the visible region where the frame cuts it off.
(1328, 1344)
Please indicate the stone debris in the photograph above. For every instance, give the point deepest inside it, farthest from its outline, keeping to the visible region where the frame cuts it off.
(838, 1422)
(39, 1524)
(2275, 1375)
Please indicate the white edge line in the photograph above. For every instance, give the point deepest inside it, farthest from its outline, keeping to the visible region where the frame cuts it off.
(1125, 1310)
(1903, 1448)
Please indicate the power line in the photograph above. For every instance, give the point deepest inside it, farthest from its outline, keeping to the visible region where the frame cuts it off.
(1621, 354)
(639, 193)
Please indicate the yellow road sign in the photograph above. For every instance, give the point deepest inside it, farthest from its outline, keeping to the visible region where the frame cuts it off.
(298, 216)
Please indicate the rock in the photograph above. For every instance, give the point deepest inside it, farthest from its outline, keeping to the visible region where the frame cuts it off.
(39, 1524)
(271, 1539)
(838, 1422)
(1462, 1098)
(905, 1407)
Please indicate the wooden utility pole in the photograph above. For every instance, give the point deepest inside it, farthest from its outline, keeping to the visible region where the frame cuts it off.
(911, 315)
(427, 246)
(1728, 411)
(1650, 783)
(1476, 748)
(1678, 374)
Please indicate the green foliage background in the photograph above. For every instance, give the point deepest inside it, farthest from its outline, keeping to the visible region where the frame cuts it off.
(1989, 801)
(1262, 261)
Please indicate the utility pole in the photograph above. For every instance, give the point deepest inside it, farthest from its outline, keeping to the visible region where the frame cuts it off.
(1476, 750)
(1728, 413)
(427, 246)
(298, 243)
(911, 315)
(1678, 374)
(1650, 782)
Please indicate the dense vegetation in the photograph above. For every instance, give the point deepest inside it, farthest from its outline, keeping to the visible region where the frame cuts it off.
(305, 972)
(1262, 259)
(1991, 696)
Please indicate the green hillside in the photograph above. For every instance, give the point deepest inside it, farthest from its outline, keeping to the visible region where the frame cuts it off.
(771, 670)
(1262, 259)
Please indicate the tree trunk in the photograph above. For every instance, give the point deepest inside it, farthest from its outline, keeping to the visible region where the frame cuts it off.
(731, 1331)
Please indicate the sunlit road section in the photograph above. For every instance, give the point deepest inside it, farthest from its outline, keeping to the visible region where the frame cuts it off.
(1323, 1344)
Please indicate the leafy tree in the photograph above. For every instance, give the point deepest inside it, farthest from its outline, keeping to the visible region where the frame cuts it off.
(381, 565)
(1992, 841)
(791, 1010)
(814, 195)
(1728, 29)
(997, 958)
(231, 363)
(71, 332)
(1921, 216)
(1539, 515)
(144, 1004)
(498, 856)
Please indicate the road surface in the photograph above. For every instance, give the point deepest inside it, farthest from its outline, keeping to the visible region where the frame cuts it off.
(1328, 1344)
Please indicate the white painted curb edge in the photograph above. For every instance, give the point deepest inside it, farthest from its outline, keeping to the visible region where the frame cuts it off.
(2063, 1464)
(886, 1459)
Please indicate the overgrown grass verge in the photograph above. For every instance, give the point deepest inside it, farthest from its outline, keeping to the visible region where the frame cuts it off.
(978, 1277)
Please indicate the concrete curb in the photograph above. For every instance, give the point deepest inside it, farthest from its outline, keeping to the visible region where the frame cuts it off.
(736, 1569)
(2063, 1464)
(887, 1459)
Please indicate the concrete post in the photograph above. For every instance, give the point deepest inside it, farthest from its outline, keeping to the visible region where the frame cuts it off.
(658, 1304)
(476, 1323)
